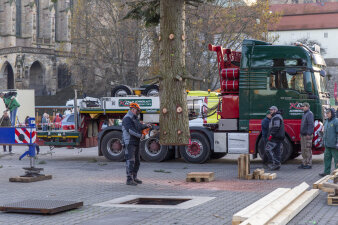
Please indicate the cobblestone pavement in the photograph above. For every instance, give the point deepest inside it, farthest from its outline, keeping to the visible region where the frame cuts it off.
(83, 176)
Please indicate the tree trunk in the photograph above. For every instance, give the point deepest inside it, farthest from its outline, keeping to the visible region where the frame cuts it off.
(174, 120)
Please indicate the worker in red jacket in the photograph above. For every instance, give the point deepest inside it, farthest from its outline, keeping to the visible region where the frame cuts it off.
(57, 122)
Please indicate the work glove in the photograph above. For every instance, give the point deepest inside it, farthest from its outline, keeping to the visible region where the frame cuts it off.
(270, 137)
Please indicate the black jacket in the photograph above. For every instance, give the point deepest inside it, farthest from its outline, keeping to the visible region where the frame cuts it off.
(276, 127)
(131, 129)
(265, 127)
(307, 125)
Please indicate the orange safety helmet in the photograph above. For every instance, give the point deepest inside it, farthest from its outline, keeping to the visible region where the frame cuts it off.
(135, 106)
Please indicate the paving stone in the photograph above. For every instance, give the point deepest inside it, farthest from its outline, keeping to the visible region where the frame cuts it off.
(76, 176)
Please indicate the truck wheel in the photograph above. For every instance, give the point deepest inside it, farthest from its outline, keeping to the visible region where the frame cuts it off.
(199, 150)
(121, 91)
(111, 146)
(294, 155)
(286, 149)
(217, 155)
(151, 91)
(152, 151)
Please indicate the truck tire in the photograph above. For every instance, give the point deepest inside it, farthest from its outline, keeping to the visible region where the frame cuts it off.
(111, 146)
(286, 149)
(294, 155)
(199, 150)
(217, 155)
(151, 91)
(152, 151)
(121, 91)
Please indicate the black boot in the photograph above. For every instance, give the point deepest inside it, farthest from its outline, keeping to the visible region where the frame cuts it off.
(274, 167)
(137, 180)
(131, 182)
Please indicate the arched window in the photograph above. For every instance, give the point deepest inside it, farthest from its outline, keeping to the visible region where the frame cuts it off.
(6, 76)
(18, 18)
(36, 79)
(64, 76)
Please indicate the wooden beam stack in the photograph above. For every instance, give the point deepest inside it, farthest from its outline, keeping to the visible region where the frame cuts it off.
(243, 166)
(277, 208)
(260, 174)
(329, 184)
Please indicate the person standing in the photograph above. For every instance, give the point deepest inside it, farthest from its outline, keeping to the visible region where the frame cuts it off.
(265, 130)
(131, 135)
(57, 122)
(11, 104)
(306, 135)
(330, 141)
(275, 139)
(6, 122)
(44, 122)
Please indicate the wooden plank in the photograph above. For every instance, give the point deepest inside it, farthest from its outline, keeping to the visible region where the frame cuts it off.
(248, 155)
(247, 164)
(259, 205)
(320, 185)
(320, 181)
(242, 165)
(272, 176)
(270, 211)
(294, 208)
(200, 174)
(239, 167)
(30, 179)
(265, 176)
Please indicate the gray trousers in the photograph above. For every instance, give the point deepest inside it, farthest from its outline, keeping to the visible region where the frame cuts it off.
(132, 155)
(306, 146)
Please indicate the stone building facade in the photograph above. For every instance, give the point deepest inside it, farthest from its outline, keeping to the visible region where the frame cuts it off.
(35, 44)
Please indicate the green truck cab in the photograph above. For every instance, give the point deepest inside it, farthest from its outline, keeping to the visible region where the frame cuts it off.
(281, 75)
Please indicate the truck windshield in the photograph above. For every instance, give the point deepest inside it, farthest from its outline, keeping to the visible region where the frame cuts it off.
(321, 83)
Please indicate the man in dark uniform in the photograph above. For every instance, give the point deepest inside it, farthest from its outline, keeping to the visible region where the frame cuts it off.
(265, 130)
(276, 137)
(132, 134)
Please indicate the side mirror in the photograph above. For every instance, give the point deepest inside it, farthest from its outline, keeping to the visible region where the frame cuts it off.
(307, 82)
(322, 73)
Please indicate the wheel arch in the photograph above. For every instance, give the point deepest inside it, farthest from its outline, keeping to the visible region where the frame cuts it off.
(205, 131)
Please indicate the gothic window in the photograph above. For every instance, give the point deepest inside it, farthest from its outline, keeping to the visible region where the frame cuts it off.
(18, 17)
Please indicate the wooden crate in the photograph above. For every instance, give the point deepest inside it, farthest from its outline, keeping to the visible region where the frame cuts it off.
(332, 199)
(200, 177)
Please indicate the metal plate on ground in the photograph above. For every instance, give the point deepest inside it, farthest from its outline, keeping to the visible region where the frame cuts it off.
(40, 206)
